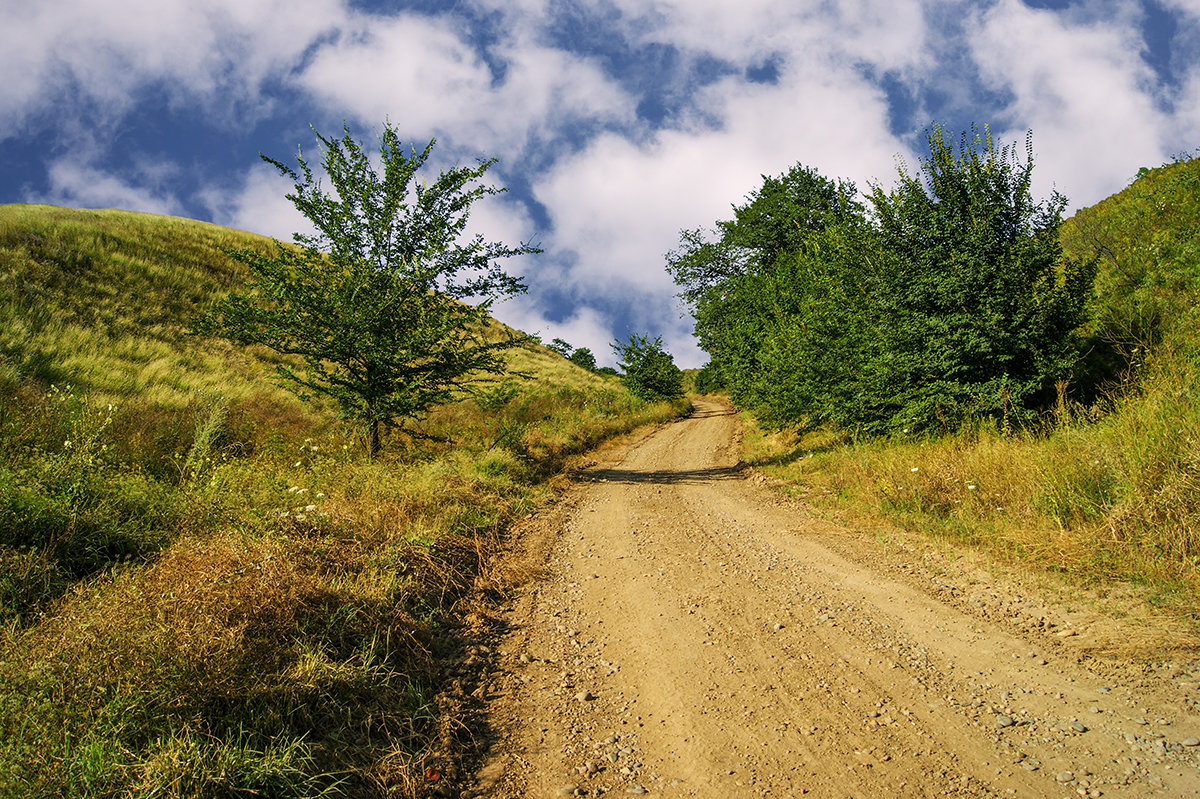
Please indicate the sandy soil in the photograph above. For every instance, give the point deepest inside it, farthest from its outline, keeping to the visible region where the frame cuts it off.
(699, 634)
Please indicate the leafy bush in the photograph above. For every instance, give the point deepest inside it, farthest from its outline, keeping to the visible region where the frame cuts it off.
(650, 371)
(952, 302)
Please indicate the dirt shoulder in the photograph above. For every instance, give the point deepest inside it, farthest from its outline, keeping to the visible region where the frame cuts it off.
(697, 634)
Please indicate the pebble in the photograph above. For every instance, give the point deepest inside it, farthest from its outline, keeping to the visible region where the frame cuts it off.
(584, 696)
(526, 657)
(636, 789)
(1191, 741)
(1065, 776)
(1004, 721)
(1079, 727)
(569, 790)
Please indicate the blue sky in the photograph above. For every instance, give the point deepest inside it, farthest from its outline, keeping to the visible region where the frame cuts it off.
(617, 123)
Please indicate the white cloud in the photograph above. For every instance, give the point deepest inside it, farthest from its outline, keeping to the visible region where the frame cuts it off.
(620, 206)
(1084, 91)
(88, 54)
(258, 205)
(78, 184)
(420, 73)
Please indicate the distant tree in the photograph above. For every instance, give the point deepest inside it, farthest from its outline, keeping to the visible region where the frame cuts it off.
(378, 302)
(561, 346)
(649, 370)
(583, 357)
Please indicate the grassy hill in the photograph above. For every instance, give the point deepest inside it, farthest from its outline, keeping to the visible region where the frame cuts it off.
(206, 587)
(1108, 490)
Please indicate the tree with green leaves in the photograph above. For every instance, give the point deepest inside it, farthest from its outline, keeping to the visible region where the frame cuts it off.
(953, 301)
(727, 275)
(582, 356)
(561, 346)
(387, 303)
(981, 305)
(648, 370)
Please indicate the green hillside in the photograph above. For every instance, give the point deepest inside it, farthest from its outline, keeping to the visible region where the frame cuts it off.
(206, 587)
(1107, 488)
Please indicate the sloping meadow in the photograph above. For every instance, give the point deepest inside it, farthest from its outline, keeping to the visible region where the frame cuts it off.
(206, 587)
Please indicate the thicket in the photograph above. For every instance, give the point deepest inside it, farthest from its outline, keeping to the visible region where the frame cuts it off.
(949, 301)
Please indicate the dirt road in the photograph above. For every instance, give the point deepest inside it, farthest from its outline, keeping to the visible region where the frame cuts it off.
(699, 635)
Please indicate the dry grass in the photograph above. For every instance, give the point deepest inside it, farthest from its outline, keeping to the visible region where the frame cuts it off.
(1110, 500)
(206, 587)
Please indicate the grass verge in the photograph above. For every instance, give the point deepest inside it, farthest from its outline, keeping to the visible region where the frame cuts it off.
(1108, 499)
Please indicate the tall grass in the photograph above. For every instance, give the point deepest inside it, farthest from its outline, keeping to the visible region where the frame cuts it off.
(206, 587)
(1110, 500)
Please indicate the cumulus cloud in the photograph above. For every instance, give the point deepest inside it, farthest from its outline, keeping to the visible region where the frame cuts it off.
(79, 184)
(90, 55)
(422, 74)
(618, 205)
(257, 203)
(1082, 87)
(602, 183)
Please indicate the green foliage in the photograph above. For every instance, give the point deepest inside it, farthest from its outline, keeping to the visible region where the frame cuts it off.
(561, 346)
(952, 302)
(583, 357)
(649, 370)
(708, 381)
(982, 306)
(1146, 239)
(374, 303)
(731, 281)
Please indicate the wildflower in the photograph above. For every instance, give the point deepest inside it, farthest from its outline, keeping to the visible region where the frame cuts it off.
(293, 489)
(971, 487)
(320, 495)
(297, 463)
(66, 445)
(309, 508)
(300, 517)
(915, 469)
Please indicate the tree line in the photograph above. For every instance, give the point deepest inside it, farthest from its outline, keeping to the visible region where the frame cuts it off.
(944, 300)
